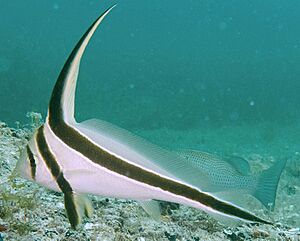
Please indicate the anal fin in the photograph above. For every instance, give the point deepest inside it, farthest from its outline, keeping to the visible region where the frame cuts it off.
(152, 208)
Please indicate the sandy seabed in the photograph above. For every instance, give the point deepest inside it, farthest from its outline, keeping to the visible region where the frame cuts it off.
(31, 212)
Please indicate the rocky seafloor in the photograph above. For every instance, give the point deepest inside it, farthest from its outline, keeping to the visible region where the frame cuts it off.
(31, 212)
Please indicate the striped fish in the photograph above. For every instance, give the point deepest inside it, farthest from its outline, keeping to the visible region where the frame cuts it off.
(95, 157)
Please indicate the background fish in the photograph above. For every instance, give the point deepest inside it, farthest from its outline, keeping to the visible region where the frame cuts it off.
(233, 174)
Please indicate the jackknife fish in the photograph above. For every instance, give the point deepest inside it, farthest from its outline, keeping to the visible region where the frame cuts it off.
(95, 157)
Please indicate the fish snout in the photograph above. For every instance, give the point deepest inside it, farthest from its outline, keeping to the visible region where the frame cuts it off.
(20, 168)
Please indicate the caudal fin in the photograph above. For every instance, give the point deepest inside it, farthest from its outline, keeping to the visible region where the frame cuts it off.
(267, 184)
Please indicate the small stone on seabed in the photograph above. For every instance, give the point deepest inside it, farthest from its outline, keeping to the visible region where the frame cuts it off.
(141, 239)
(60, 205)
(259, 233)
(294, 231)
(227, 232)
(89, 226)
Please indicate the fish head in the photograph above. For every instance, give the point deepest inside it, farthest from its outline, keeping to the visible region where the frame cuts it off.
(31, 167)
(23, 166)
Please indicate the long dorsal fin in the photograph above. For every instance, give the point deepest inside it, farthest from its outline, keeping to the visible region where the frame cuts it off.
(61, 106)
(61, 110)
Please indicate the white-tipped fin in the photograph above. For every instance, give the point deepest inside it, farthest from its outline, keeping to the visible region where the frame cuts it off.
(72, 69)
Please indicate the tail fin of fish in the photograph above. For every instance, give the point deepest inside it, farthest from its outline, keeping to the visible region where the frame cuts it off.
(267, 184)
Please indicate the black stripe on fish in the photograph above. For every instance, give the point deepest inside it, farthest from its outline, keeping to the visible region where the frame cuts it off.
(32, 162)
(71, 209)
(63, 184)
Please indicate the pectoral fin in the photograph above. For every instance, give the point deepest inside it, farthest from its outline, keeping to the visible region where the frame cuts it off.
(77, 206)
(152, 208)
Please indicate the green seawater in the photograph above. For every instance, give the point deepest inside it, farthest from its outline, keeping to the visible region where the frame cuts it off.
(173, 64)
(216, 76)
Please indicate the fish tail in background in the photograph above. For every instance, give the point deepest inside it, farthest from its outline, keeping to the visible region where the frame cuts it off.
(267, 184)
